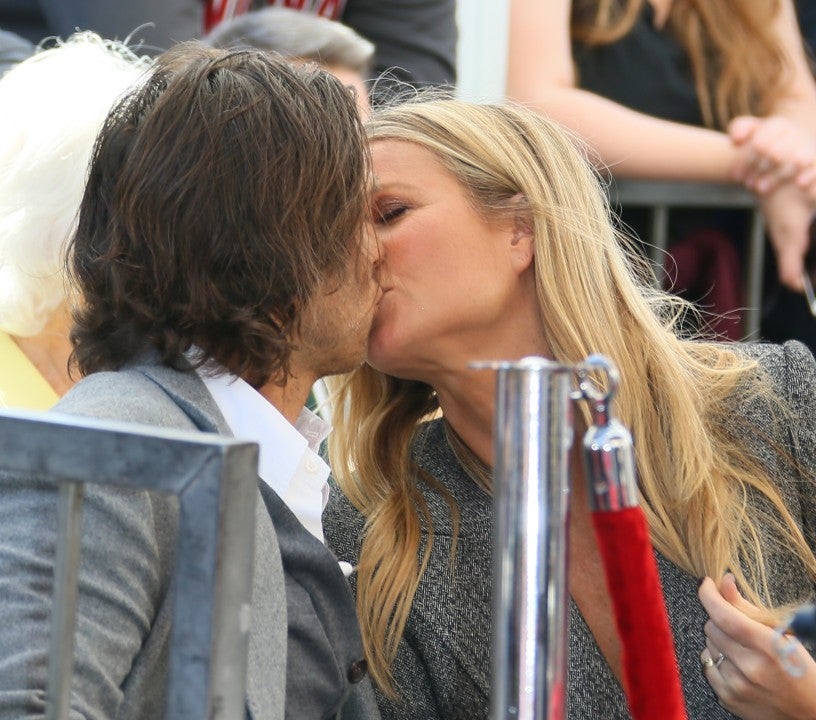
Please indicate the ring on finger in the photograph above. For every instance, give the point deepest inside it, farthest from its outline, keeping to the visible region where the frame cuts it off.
(719, 661)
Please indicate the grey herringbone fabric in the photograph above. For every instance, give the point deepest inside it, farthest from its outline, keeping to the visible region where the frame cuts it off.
(443, 665)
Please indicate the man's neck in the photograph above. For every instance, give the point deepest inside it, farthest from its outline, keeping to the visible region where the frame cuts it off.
(290, 398)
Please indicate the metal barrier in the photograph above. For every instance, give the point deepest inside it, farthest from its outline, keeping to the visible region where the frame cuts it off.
(533, 434)
(664, 195)
(215, 480)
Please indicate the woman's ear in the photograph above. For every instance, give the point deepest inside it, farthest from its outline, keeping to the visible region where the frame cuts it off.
(522, 245)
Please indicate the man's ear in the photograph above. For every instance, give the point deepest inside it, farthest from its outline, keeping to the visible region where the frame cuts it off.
(522, 240)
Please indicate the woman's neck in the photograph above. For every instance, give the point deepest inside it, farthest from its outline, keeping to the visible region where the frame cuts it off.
(467, 396)
(468, 405)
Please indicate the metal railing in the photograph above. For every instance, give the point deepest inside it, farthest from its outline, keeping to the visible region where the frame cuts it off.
(661, 196)
(215, 480)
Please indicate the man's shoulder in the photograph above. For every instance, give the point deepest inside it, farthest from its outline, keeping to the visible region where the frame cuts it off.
(147, 395)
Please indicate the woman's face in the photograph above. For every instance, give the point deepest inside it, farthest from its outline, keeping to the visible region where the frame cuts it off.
(451, 280)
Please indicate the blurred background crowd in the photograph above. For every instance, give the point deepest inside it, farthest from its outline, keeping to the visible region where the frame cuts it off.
(630, 77)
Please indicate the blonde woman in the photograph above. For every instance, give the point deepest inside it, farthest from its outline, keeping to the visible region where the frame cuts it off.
(497, 242)
(54, 103)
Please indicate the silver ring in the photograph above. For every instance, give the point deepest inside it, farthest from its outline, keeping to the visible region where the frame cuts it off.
(707, 662)
(719, 660)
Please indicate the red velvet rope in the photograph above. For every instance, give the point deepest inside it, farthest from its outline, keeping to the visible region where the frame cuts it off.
(651, 675)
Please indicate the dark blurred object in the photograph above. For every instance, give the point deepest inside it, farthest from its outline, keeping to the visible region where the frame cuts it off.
(803, 623)
(23, 18)
(806, 13)
(786, 314)
(13, 49)
(809, 274)
(155, 25)
(414, 39)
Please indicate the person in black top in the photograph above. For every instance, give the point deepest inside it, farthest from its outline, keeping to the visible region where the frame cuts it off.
(661, 90)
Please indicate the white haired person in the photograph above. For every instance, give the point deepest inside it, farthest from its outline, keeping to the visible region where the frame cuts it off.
(54, 103)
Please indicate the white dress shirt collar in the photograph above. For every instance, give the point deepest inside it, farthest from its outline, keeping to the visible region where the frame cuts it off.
(288, 458)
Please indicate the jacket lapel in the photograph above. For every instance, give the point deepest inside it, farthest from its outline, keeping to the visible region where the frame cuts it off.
(268, 639)
(322, 640)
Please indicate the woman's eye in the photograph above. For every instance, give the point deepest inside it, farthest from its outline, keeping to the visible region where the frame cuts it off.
(385, 214)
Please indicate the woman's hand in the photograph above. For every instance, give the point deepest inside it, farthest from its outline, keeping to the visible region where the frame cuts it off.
(741, 664)
(788, 212)
(776, 151)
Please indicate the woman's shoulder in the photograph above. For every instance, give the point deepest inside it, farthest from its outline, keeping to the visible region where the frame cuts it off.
(790, 367)
(777, 354)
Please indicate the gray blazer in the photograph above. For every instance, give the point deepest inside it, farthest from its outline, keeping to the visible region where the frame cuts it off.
(124, 586)
(443, 662)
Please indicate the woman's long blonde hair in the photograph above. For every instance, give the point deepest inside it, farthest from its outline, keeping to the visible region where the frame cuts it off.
(595, 296)
(736, 58)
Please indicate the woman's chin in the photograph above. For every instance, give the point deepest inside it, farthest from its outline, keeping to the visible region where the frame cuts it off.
(383, 353)
(377, 359)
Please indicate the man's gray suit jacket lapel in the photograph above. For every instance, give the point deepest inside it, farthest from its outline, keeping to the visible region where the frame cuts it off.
(322, 630)
(324, 642)
(190, 394)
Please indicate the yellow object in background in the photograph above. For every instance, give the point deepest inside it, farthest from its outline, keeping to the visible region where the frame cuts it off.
(21, 385)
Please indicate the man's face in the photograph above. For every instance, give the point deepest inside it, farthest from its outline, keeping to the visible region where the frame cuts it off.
(336, 322)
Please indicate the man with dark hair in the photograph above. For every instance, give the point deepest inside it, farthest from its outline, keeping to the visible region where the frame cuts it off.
(225, 262)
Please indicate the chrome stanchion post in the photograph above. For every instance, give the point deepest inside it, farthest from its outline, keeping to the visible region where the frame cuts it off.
(533, 435)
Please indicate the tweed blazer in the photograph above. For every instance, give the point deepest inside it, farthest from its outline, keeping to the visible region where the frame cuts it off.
(443, 662)
(124, 603)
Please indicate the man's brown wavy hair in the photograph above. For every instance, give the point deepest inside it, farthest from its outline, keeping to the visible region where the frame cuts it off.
(223, 191)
